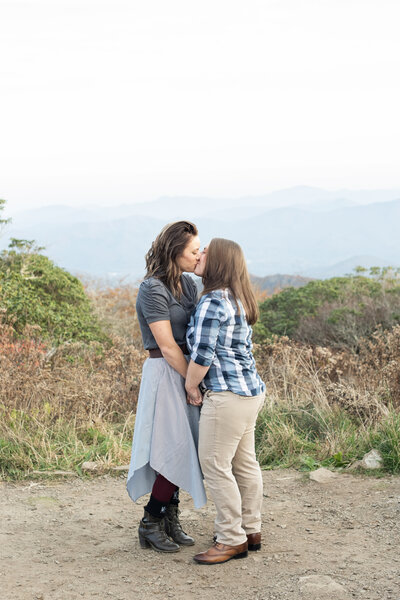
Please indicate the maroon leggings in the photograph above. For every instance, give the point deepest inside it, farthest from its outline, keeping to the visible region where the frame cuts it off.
(163, 489)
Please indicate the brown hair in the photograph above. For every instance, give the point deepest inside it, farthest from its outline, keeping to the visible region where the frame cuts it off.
(168, 245)
(226, 268)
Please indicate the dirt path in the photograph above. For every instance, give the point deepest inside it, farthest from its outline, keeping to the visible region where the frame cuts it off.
(72, 540)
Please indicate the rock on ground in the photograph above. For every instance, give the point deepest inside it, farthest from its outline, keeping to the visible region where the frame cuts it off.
(372, 460)
(321, 586)
(322, 475)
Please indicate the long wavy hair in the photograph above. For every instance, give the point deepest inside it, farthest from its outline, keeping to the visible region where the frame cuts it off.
(166, 248)
(226, 268)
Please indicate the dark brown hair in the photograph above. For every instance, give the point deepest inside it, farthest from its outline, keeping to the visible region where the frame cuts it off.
(168, 245)
(226, 268)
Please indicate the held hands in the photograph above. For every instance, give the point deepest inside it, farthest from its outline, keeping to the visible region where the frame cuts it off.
(194, 376)
(194, 396)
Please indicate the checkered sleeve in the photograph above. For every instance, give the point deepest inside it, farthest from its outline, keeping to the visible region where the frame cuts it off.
(207, 321)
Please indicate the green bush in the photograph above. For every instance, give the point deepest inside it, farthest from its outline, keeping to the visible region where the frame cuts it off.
(335, 312)
(34, 291)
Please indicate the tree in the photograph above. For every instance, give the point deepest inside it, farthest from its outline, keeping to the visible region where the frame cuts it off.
(34, 291)
(3, 222)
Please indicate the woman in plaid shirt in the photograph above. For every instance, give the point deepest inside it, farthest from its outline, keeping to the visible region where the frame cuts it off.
(219, 339)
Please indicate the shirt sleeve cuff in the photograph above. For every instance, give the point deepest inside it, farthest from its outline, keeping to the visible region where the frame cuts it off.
(165, 317)
(201, 360)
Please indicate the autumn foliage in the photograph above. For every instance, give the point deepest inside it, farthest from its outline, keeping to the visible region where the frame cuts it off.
(64, 401)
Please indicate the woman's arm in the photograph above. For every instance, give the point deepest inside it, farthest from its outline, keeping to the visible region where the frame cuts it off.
(194, 377)
(203, 336)
(163, 335)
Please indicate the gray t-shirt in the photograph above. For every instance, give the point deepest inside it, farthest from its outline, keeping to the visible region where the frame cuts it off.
(156, 303)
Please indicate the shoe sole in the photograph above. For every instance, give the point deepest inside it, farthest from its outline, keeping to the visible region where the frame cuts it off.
(185, 544)
(145, 545)
(221, 562)
(254, 547)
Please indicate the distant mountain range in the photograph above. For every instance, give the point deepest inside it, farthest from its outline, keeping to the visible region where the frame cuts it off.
(302, 231)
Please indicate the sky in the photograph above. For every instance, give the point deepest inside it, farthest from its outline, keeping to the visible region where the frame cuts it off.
(119, 101)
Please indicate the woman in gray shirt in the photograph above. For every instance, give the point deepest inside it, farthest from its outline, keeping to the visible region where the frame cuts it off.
(164, 450)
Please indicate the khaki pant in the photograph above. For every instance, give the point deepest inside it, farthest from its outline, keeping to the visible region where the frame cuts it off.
(229, 464)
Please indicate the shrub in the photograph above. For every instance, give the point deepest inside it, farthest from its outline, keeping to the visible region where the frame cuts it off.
(75, 381)
(34, 291)
(337, 312)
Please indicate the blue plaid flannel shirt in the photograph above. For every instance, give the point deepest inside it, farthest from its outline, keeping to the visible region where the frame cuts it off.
(220, 338)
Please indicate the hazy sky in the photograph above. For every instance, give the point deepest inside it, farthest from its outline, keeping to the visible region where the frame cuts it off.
(114, 101)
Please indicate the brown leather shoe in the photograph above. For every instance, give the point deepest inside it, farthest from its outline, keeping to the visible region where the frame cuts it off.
(220, 553)
(254, 541)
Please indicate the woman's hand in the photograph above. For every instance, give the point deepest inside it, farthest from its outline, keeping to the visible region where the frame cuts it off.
(194, 377)
(194, 396)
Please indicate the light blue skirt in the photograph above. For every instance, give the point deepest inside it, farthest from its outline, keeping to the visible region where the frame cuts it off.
(166, 434)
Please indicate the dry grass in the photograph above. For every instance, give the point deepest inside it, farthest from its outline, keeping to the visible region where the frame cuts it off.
(370, 380)
(79, 381)
(328, 407)
(115, 307)
(62, 405)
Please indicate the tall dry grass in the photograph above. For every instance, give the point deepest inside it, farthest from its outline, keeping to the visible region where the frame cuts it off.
(73, 381)
(115, 307)
(330, 407)
(62, 405)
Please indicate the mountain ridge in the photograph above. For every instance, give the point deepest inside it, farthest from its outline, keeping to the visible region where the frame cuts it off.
(287, 239)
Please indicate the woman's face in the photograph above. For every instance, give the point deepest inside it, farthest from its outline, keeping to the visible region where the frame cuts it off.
(201, 265)
(187, 261)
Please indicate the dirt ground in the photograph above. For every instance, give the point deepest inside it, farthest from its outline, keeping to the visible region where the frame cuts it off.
(78, 539)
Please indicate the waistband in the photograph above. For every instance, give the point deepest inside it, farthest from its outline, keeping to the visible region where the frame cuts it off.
(156, 352)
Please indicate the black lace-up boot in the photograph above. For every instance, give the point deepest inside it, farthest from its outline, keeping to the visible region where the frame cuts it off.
(173, 527)
(152, 534)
